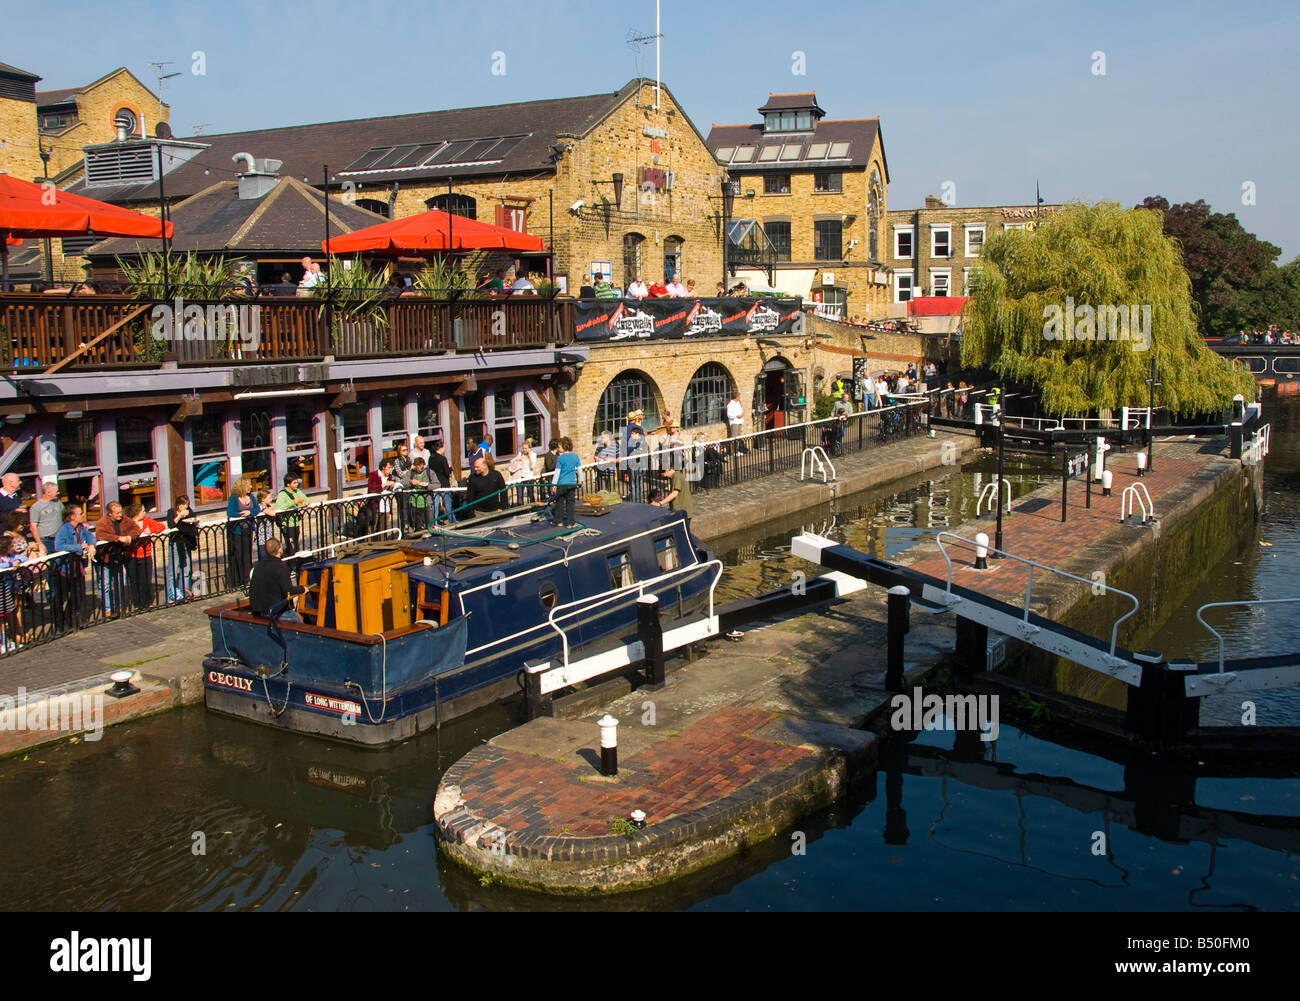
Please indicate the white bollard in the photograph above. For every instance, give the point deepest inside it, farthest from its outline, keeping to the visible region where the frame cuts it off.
(1142, 463)
(608, 745)
(981, 551)
(1107, 478)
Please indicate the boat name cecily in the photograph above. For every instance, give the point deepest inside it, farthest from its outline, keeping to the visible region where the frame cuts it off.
(231, 681)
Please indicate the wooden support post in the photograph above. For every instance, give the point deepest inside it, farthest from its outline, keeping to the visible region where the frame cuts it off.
(972, 648)
(536, 704)
(899, 601)
(650, 632)
(1142, 714)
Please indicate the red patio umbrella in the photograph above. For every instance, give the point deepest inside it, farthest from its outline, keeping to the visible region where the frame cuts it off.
(28, 209)
(432, 231)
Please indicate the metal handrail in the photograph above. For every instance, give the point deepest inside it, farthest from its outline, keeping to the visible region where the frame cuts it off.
(1126, 508)
(332, 547)
(818, 455)
(1032, 564)
(586, 604)
(1229, 604)
(991, 488)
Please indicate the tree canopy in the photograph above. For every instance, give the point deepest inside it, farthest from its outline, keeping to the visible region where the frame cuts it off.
(1077, 308)
(1235, 283)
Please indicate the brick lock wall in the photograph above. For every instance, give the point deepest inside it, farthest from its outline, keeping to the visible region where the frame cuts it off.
(19, 154)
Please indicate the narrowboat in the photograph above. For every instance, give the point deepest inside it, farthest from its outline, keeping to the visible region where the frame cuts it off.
(399, 637)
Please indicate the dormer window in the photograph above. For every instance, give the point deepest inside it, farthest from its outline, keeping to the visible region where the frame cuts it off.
(787, 121)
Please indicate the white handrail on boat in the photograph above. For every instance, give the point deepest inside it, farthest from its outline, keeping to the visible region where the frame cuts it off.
(636, 589)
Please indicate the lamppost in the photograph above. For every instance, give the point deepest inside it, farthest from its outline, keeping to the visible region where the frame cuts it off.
(728, 202)
(45, 176)
(1151, 408)
(1002, 435)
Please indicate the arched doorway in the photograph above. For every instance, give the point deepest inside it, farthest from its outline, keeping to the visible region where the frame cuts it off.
(706, 396)
(779, 395)
(628, 391)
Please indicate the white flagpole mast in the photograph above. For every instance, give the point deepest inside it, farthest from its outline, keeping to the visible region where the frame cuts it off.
(657, 36)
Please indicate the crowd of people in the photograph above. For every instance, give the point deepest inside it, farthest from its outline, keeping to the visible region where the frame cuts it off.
(1270, 336)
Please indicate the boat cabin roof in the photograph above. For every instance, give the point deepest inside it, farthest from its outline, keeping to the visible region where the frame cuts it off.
(521, 538)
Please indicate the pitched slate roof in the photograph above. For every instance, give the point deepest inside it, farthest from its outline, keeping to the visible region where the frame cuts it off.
(289, 218)
(788, 102)
(860, 134)
(537, 125)
(8, 70)
(65, 94)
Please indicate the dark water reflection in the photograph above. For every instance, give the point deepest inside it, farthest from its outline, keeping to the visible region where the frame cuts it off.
(293, 823)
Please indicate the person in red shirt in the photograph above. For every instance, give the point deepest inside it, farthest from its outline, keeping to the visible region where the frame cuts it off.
(139, 556)
(658, 290)
(379, 481)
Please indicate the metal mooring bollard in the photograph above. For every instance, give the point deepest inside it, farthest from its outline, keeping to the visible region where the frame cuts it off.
(1107, 478)
(608, 745)
(981, 551)
(1142, 463)
(899, 604)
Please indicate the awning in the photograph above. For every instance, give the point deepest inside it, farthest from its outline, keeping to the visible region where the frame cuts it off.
(430, 232)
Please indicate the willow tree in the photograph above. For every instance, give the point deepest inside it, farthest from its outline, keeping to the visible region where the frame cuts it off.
(1078, 307)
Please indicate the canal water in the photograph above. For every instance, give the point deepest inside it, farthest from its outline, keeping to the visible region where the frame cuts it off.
(188, 811)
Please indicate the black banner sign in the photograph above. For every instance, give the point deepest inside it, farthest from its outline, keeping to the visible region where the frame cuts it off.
(661, 319)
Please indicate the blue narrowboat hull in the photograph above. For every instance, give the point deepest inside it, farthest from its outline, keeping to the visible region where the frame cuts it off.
(376, 690)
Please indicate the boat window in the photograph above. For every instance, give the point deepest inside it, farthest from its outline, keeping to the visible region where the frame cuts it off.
(1284, 365)
(546, 595)
(620, 570)
(666, 553)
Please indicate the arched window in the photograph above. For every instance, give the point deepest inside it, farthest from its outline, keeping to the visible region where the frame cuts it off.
(706, 396)
(374, 205)
(874, 202)
(631, 257)
(628, 391)
(462, 205)
(672, 257)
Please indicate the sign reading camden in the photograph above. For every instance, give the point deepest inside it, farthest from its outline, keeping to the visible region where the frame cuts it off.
(662, 319)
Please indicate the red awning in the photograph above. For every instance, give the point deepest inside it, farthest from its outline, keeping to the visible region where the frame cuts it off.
(38, 210)
(432, 231)
(936, 305)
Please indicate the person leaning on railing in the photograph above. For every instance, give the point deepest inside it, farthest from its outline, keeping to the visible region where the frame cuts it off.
(239, 533)
(183, 541)
(139, 557)
(288, 503)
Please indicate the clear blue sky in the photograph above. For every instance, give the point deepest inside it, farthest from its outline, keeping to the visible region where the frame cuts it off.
(1197, 97)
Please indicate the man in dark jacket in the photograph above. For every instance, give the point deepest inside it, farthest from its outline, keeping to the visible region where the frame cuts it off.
(271, 584)
(441, 469)
(487, 484)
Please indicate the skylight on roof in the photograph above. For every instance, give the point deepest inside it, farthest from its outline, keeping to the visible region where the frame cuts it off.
(791, 151)
(817, 151)
(725, 152)
(769, 153)
(839, 149)
(744, 154)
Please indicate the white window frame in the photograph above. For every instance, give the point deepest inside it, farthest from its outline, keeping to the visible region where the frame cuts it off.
(934, 234)
(910, 231)
(899, 275)
(976, 228)
(946, 275)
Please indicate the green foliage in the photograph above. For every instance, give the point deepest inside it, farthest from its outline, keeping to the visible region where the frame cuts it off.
(1235, 283)
(822, 403)
(443, 280)
(1097, 255)
(623, 826)
(187, 275)
(356, 292)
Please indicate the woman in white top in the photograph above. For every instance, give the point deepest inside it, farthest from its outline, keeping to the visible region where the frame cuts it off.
(522, 470)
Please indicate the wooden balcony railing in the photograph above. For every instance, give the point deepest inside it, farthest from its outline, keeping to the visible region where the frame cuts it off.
(77, 333)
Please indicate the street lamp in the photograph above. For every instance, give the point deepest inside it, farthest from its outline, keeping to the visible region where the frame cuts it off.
(45, 175)
(1151, 408)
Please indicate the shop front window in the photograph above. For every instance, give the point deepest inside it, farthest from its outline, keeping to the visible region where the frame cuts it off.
(210, 467)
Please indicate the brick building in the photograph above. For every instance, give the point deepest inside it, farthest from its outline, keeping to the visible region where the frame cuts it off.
(72, 118)
(816, 190)
(19, 148)
(936, 249)
(623, 180)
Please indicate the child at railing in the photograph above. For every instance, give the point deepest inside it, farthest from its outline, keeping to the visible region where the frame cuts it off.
(10, 586)
(263, 521)
(179, 546)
